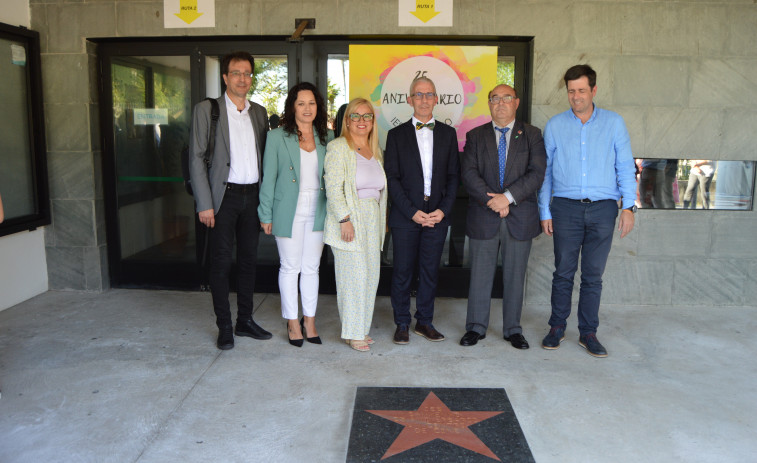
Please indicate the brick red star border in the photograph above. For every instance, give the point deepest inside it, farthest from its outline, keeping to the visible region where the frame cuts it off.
(406, 424)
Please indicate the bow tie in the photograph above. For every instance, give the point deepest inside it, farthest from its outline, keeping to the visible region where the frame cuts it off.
(420, 125)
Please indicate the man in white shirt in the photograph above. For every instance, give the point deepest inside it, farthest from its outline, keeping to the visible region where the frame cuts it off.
(226, 193)
(423, 172)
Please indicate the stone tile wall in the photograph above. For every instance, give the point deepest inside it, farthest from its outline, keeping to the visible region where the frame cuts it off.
(682, 73)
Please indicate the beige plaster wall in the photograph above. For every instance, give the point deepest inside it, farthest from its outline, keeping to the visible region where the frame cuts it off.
(682, 73)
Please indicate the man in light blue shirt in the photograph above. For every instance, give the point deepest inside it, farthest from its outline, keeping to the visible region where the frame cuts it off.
(590, 168)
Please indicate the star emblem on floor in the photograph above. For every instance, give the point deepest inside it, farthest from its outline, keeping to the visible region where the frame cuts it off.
(434, 420)
(393, 425)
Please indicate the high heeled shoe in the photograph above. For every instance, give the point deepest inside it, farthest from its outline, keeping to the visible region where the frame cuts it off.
(314, 339)
(294, 342)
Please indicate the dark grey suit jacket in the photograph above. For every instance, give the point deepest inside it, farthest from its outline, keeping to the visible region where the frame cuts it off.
(524, 174)
(209, 187)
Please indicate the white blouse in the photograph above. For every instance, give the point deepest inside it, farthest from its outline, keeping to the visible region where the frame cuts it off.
(369, 178)
(309, 171)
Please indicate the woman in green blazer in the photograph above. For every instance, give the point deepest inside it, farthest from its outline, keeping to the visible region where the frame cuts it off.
(293, 204)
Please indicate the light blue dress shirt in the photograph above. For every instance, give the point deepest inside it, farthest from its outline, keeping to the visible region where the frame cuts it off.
(591, 160)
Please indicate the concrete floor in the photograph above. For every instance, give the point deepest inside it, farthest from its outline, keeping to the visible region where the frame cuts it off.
(134, 376)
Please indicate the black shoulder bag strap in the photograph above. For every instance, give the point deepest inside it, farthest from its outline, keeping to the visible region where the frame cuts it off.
(215, 114)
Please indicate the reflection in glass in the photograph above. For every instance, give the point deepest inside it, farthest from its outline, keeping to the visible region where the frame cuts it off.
(151, 111)
(701, 172)
(506, 70)
(656, 181)
(16, 174)
(735, 187)
(338, 73)
(694, 184)
(270, 84)
(338, 85)
(269, 89)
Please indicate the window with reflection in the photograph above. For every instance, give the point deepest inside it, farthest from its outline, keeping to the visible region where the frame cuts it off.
(23, 162)
(695, 184)
(151, 118)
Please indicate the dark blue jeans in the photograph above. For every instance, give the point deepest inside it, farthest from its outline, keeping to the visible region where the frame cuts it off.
(422, 246)
(585, 229)
(238, 216)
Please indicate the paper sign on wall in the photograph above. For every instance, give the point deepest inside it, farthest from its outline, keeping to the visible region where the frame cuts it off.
(425, 13)
(150, 116)
(18, 55)
(189, 13)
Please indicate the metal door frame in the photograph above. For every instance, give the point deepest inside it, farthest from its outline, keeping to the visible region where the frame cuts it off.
(307, 61)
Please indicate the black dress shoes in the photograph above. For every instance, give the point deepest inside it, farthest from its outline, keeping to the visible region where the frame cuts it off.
(470, 338)
(428, 332)
(401, 335)
(225, 338)
(251, 329)
(517, 340)
(312, 339)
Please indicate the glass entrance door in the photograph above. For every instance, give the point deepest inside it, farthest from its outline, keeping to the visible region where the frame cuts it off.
(149, 90)
(269, 89)
(154, 237)
(151, 118)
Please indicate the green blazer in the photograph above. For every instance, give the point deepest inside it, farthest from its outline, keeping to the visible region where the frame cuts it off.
(280, 187)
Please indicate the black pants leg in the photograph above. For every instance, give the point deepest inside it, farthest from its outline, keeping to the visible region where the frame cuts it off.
(237, 216)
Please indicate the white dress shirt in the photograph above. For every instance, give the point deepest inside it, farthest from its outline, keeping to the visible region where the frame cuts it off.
(425, 137)
(243, 154)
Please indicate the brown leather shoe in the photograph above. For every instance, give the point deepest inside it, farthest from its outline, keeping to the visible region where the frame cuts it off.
(401, 335)
(428, 332)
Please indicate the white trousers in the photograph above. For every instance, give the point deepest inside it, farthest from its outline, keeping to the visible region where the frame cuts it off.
(300, 256)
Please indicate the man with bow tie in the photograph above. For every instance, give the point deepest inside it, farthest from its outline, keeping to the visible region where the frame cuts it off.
(423, 171)
(503, 167)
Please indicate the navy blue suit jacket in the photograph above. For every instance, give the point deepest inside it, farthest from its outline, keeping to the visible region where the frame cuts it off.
(404, 173)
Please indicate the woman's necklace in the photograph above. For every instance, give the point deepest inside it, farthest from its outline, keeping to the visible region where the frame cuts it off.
(365, 152)
(307, 142)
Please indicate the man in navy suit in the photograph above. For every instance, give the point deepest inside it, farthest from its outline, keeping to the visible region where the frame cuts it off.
(503, 168)
(423, 171)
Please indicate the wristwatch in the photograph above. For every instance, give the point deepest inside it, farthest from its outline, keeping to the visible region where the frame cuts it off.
(633, 209)
(345, 220)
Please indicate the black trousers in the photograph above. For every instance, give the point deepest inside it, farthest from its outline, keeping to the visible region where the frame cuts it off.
(421, 246)
(238, 216)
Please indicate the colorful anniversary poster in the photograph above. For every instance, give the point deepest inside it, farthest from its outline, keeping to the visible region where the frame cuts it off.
(463, 75)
